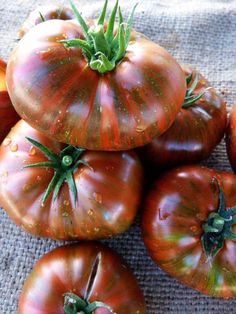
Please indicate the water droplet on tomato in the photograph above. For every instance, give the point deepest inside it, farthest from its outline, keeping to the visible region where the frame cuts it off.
(90, 212)
(65, 214)
(32, 151)
(7, 141)
(39, 178)
(97, 197)
(140, 128)
(96, 229)
(26, 187)
(66, 203)
(14, 148)
(193, 228)
(163, 216)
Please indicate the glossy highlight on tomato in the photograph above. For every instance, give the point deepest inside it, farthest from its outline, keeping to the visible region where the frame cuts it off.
(196, 131)
(231, 138)
(54, 89)
(186, 234)
(44, 13)
(8, 115)
(89, 271)
(109, 188)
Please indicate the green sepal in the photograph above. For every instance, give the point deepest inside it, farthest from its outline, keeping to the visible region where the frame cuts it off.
(111, 23)
(45, 150)
(102, 48)
(73, 304)
(102, 16)
(218, 226)
(62, 171)
(129, 25)
(80, 19)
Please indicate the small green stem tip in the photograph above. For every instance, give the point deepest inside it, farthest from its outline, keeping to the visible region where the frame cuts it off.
(103, 47)
(64, 165)
(218, 226)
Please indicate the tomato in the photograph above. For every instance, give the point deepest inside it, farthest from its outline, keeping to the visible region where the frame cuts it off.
(45, 13)
(188, 228)
(95, 87)
(8, 115)
(89, 273)
(196, 131)
(231, 138)
(94, 195)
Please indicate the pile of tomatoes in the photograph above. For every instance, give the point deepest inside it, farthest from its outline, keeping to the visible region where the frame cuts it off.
(100, 110)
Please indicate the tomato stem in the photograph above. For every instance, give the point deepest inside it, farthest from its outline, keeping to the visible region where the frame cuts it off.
(73, 304)
(64, 165)
(218, 226)
(103, 47)
(190, 97)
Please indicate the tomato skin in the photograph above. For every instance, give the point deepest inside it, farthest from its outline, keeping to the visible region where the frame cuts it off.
(108, 194)
(49, 12)
(67, 269)
(231, 138)
(8, 115)
(195, 132)
(56, 92)
(175, 209)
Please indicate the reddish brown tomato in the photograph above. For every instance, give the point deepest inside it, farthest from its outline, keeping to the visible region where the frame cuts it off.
(56, 92)
(231, 138)
(8, 115)
(178, 211)
(45, 13)
(195, 132)
(108, 190)
(90, 271)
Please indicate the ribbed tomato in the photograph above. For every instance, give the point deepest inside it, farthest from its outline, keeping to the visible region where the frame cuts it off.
(45, 13)
(67, 193)
(197, 129)
(94, 86)
(8, 115)
(231, 138)
(189, 228)
(85, 278)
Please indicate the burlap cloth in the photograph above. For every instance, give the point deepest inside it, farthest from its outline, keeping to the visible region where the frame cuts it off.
(202, 33)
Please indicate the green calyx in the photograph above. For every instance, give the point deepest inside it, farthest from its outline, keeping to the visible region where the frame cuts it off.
(102, 48)
(73, 304)
(190, 97)
(64, 165)
(218, 227)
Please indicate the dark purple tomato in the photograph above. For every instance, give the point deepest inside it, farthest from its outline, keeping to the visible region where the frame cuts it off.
(84, 278)
(198, 128)
(63, 192)
(95, 86)
(189, 228)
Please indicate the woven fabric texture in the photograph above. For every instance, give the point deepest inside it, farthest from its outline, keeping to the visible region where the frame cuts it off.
(198, 32)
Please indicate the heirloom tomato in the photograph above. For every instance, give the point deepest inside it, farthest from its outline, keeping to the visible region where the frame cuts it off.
(86, 278)
(44, 13)
(197, 129)
(231, 138)
(94, 84)
(189, 228)
(65, 192)
(8, 115)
